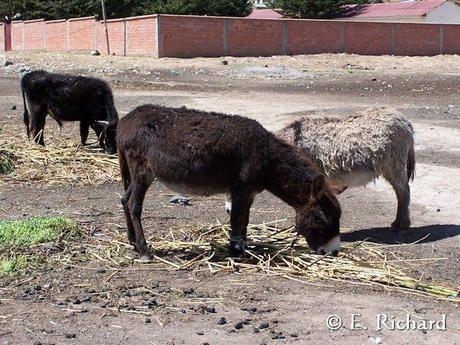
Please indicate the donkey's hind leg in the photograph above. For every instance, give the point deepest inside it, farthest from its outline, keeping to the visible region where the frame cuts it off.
(239, 219)
(400, 184)
(141, 180)
(129, 222)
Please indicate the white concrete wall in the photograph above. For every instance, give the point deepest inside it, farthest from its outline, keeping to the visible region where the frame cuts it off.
(448, 13)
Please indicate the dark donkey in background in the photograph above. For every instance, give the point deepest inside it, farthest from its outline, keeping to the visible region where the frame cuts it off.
(69, 98)
(195, 152)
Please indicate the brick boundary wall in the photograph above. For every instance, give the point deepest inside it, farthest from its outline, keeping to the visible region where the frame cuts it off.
(2, 37)
(194, 36)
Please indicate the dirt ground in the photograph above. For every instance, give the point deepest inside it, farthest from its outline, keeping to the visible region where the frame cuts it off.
(78, 304)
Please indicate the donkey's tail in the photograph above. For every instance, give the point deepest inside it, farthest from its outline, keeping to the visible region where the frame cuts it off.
(26, 112)
(410, 168)
(124, 169)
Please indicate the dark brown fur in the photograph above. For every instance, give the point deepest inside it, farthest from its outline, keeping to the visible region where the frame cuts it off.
(206, 153)
(69, 98)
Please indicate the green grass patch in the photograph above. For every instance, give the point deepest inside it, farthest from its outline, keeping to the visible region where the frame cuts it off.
(13, 264)
(6, 163)
(35, 230)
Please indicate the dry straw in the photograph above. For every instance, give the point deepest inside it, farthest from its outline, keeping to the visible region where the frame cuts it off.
(63, 163)
(278, 252)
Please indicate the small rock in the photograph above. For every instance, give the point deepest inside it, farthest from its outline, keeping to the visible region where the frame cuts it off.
(275, 321)
(210, 310)
(438, 210)
(13, 107)
(188, 291)
(70, 335)
(225, 62)
(374, 79)
(264, 325)
(8, 63)
(200, 333)
(76, 301)
(37, 342)
(249, 310)
(147, 320)
(294, 335)
(278, 336)
(255, 330)
(95, 53)
(222, 321)
(151, 303)
(239, 325)
(180, 199)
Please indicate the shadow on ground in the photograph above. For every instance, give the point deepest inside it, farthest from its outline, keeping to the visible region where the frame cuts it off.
(421, 234)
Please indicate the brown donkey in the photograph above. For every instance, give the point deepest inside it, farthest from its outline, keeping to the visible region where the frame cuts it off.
(195, 152)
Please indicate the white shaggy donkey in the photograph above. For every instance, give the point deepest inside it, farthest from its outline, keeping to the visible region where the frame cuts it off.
(358, 149)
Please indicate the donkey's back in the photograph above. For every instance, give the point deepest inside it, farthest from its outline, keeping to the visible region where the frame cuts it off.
(360, 148)
(192, 152)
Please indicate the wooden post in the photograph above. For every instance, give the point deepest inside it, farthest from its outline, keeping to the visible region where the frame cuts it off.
(105, 26)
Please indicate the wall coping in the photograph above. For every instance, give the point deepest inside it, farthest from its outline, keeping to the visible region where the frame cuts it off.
(143, 17)
(33, 21)
(55, 21)
(113, 20)
(81, 18)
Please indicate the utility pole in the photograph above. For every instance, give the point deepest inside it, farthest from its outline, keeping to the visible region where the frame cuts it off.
(105, 26)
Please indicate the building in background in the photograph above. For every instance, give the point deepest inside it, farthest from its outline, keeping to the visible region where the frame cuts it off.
(422, 11)
(260, 4)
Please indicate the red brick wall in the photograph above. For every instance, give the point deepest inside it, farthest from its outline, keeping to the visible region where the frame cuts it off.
(2, 37)
(313, 37)
(82, 33)
(17, 35)
(116, 30)
(254, 37)
(368, 38)
(141, 35)
(34, 31)
(183, 36)
(56, 35)
(451, 39)
(417, 39)
(191, 36)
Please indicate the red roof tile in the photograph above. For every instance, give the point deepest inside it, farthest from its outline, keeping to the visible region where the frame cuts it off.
(406, 8)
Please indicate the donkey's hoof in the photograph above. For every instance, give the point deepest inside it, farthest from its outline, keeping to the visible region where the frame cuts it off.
(146, 258)
(237, 246)
(395, 227)
(228, 206)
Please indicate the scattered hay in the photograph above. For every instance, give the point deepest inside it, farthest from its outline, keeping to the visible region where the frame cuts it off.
(63, 163)
(275, 252)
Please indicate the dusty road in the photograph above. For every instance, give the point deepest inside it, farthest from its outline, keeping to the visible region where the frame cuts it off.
(43, 308)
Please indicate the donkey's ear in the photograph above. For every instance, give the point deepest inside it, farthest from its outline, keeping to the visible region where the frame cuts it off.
(338, 188)
(317, 186)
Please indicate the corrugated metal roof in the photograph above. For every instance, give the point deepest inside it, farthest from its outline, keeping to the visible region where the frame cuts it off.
(265, 14)
(406, 8)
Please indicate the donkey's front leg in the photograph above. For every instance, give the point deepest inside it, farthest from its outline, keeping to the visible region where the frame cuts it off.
(228, 203)
(239, 219)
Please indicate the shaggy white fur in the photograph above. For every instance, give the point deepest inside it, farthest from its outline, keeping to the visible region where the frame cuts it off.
(360, 148)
